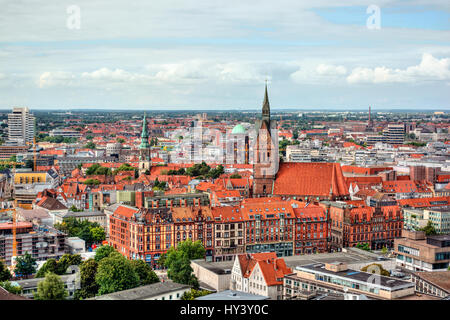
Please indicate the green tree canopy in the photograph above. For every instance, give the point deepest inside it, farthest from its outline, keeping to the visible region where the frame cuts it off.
(51, 288)
(145, 272)
(193, 294)
(98, 234)
(89, 287)
(90, 145)
(4, 272)
(97, 169)
(92, 182)
(178, 261)
(363, 246)
(51, 265)
(124, 167)
(82, 229)
(115, 273)
(103, 252)
(194, 250)
(66, 261)
(429, 229)
(374, 267)
(59, 267)
(25, 265)
(8, 286)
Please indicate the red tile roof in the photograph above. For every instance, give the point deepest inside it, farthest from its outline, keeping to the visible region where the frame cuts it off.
(126, 211)
(310, 179)
(273, 268)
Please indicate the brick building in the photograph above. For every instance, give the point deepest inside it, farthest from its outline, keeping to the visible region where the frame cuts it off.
(376, 226)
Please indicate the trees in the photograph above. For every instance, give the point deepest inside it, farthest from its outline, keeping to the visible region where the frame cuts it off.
(120, 140)
(98, 234)
(90, 145)
(89, 286)
(124, 167)
(194, 250)
(86, 230)
(66, 261)
(162, 260)
(97, 169)
(376, 267)
(363, 246)
(75, 209)
(145, 272)
(51, 265)
(8, 286)
(429, 229)
(115, 273)
(4, 272)
(25, 265)
(59, 267)
(235, 176)
(159, 185)
(51, 288)
(192, 294)
(103, 252)
(178, 261)
(92, 182)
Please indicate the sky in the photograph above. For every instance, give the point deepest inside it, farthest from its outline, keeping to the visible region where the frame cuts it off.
(217, 55)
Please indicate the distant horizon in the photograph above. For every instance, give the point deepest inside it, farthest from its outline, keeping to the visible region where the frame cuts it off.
(222, 110)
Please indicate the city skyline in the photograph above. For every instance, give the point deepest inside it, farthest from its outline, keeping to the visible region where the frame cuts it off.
(208, 55)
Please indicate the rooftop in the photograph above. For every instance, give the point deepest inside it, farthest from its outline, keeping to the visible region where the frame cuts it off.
(358, 276)
(438, 278)
(232, 295)
(143, 292)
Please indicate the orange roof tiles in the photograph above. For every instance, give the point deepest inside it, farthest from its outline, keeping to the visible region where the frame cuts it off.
(310, 179)
(126, 211)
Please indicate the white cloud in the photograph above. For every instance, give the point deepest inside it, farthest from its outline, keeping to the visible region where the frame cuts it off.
(330, 70)
(116, 75)
(429, 69)
(187, 72)
(56, 78)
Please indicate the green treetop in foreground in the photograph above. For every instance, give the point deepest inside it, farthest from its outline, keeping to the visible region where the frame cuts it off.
(51, 288)
(25, 265)
(178, 262)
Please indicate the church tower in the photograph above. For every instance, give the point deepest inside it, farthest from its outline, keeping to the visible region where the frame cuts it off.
(265, 152)
(144, 149)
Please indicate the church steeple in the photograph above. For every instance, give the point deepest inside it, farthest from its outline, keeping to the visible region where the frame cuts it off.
(266, 106)
(144, 136)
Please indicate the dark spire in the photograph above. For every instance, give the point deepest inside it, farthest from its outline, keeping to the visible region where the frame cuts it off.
(266, 105)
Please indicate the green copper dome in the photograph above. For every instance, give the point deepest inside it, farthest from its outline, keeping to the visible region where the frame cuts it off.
(238, 129)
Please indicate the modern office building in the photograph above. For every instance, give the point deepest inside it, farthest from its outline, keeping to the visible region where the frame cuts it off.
(394, 133)
(418, 252)
(20, 126)
(439, 217)
(337, 278)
